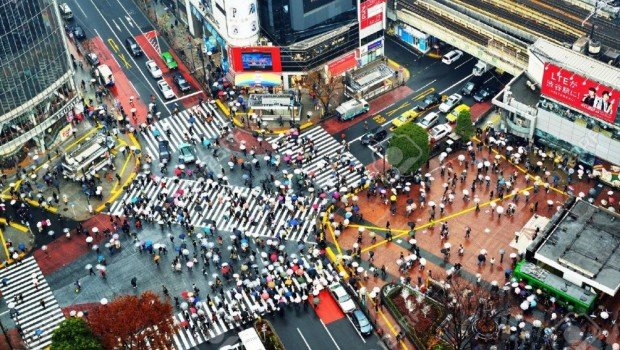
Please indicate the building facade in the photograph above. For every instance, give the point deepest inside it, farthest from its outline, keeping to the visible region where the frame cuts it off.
(565, 100)
(36, 85)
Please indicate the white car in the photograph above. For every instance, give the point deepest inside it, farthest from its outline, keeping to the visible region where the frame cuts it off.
(439, 132)
(451, 56)
(450, 103)
(342, 297)
(153, 69)
(429, 120)
(165, 89)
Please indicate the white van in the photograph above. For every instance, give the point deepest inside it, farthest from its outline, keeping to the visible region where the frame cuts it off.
(352, 109)
(105, 76)
(65, 11)
(250, 340)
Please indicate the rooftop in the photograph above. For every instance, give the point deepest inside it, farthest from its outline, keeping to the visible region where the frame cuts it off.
(577, 62)
(584, 243)
(522, 92)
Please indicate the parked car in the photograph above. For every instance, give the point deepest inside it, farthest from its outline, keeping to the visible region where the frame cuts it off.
(65, 11)
(164, 150)
(472, 86)
(486, 93)
(342, 297)
(133, 47)
(78, 32)
(186, 154)
(92, 59)
(452, 56)
(180, 81)
(404, 118)
(165, 89)
(429, 120)
(169, 60)
(374, 136)
(450, 103)
(429, 102)
(153, 68)
(439, 132)
(361, 322)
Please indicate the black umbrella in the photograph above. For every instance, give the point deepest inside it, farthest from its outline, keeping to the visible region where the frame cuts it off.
(411, 224)
(410, 201)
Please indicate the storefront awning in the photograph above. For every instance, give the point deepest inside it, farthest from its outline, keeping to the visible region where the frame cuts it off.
(342, 64)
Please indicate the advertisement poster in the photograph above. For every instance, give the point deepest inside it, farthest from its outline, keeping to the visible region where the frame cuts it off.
(586, 95)
(256, 58)
(371, 17)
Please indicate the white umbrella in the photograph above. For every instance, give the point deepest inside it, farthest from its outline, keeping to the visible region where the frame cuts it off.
(604, 315)
(537, 323)
(500, 210)
(104, 301)
(89, 239)
(461, 157)
(95, 229)
(483, 251)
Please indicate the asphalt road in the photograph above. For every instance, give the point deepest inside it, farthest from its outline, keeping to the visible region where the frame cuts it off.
(114, 21)
(427, 75)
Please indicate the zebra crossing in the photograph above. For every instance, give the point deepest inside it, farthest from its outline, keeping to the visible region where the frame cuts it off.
(224, 313)
(327, 148)
(37, 322)
(176, 129)
(290, 221)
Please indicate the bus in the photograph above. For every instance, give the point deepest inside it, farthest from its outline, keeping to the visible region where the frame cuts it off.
(566, 293)
(88, 158)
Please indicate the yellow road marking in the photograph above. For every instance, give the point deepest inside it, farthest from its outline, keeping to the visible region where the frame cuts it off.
(15, 225)
(124, 59)
(116, 183)
(6, 249)
(379, 119)
(113, 44)
(394, 110)
(424, 94)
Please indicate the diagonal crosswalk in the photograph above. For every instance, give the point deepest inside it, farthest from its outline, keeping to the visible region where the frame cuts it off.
(178, 129)
(331, 165)
(236, 305)
(208, 202)
(37, 322)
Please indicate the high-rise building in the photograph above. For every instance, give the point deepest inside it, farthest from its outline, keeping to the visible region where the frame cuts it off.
(36, 86)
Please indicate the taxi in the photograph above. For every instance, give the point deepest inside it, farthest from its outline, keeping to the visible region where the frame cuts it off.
(404, 118)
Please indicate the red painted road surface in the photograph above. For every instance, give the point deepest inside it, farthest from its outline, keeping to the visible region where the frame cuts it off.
(377, 105)
(328, 309)
(122, 88)
(150, 52)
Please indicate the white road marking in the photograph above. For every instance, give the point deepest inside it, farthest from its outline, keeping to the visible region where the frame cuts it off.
(302, 338)
(147, 80)
(460, 65)
(356, 331)
(184, 97)
(330, 335)
(455, 84)
(425, 86)
(129, 21)
(124, 25)
(115, 24)
(81, 9)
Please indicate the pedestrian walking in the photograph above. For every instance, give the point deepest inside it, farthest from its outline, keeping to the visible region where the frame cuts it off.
(134, 283)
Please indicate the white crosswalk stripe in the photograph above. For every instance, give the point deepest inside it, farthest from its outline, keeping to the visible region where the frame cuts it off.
(179, 125)
(292, 221)
(223, 314)
(31, 314)
(327, 151)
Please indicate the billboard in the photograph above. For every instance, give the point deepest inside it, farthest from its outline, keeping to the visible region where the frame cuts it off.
(371, 16)
(256, 58)
(586, 95)
(242, 20)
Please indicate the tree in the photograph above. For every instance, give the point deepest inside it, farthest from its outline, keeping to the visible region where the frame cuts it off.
(408, 148)
(74, 334)
(464, 126)
(327, 92)
(134, 322)
(472, 312)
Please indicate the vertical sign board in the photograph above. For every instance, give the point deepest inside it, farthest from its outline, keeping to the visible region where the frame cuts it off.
(588, 96)
(371, 16)
(242, 22)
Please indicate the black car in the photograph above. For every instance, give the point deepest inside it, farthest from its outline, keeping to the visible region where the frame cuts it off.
(429, 102)
(374, 136)
(133, 47)
(78, 32)
(472, 86)
(181, 82)
(485, 93)
(164, 150)
(92, 59)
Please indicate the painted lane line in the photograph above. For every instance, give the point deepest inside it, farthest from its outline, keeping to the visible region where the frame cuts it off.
(184, 97)
(115, 24)
(124, 25)
(302, 338)
(328, 333)
(425, 86)
(77, 3)
(129, 21)
(455, 84)
(462, 64)
(356, 331)
(147, 80)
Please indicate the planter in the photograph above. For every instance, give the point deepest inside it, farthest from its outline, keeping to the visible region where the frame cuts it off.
(485, 329)
(417, 314)
(271, 339)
